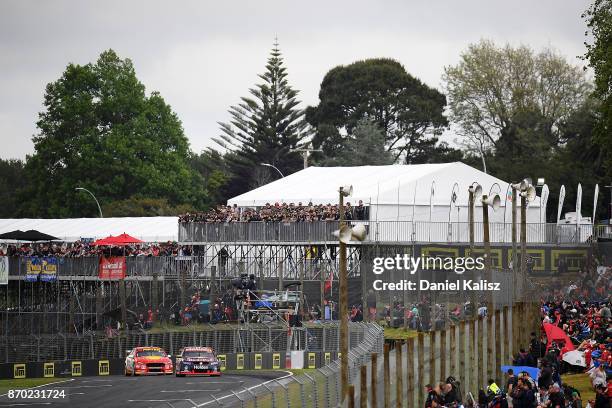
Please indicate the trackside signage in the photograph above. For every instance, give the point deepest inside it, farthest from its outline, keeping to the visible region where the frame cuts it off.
(112, 268)
(4, 268)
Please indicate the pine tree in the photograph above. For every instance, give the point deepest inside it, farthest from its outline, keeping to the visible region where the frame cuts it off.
(263, 129)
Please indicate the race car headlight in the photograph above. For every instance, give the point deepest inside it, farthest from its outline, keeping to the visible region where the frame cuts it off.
(141, 365)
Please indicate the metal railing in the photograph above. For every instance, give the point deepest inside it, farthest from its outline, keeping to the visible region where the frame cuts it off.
(386, 231)
(225, 339)
(320, 388)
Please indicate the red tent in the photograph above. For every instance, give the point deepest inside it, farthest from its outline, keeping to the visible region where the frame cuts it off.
(556, 334)
(123, 239)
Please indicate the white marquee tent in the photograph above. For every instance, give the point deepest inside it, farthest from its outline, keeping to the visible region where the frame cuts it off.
(393, 193)
(149, 229)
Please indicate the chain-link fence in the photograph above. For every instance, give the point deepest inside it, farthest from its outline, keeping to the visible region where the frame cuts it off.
(320, 388)
(224, 338)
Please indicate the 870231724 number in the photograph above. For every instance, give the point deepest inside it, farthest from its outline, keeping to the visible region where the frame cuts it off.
(37, 394)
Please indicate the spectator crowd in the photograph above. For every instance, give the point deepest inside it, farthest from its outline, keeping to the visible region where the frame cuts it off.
(279, 212)
(86, 248)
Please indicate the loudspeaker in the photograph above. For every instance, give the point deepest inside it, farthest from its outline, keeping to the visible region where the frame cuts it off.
(476, 190)
(346, 190)
(344, 234)
(494, 202)
(358, 232)
(529, 194)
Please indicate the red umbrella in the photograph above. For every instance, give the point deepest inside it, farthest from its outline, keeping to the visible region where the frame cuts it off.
(104, 241)
(556, 334)
(123, 239)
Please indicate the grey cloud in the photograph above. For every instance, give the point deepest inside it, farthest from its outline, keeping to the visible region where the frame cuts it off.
(203, 55)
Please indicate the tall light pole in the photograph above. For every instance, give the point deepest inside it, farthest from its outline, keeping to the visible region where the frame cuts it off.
(274, 167)
(494, 202)
(344, 191)
(475, 191)
(305, 152)
(93, 196)
(453, 200)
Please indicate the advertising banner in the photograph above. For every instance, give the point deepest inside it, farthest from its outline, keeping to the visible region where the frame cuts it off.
(33, 268)
(49, 269)
(112, 268)
(4, 268)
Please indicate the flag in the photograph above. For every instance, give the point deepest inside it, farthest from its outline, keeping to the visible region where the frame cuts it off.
(328, 283)
(561, 199)
(579, 204)
(543, 202)
(595, 203)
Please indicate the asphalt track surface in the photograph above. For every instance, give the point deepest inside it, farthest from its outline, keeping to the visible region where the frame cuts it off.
(150, 391)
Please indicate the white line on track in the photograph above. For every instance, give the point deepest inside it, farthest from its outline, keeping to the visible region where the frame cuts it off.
(215, 390)
(214, 382)
(42, 385)
(214, 401)
(89, 386)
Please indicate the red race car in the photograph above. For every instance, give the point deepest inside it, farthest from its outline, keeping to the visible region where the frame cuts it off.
(197, 361)
(148, 360)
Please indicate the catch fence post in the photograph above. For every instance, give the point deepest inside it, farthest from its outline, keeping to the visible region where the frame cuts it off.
(374, 378)
(399, 385)
(410, 372)
(421, 373)
(387, 378)
(351, 396)
(363, 394)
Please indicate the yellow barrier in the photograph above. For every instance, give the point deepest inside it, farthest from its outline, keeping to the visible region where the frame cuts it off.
(48, 370)
(327, 358)
(222, 361)
(103, 367)
(77, 368)
(239, 361)
(258, 361)
(276, 361)
(312, 360)
(19, 371)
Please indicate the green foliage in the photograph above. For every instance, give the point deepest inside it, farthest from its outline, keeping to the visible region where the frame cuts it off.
(144, 207)
(213, 168)
(599, 55)
(263, 129)
(366, 147)
(12, 181)
(409, 113)
(100, 131)
(492, 86)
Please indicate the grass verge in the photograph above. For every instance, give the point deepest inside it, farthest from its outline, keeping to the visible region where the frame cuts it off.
(13, 384)
(582, 383)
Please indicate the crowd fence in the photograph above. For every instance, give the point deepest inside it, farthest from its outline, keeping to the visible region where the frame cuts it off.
(394, 374)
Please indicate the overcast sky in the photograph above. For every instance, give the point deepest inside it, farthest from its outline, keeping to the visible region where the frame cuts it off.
(202, 56)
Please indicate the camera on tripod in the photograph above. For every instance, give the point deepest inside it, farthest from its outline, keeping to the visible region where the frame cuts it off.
(243, 284)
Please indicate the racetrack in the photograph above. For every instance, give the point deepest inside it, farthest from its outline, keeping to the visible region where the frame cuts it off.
(151, 391)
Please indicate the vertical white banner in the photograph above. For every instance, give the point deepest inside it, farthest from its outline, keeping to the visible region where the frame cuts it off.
(579, 204)
(595, 197)
(561, 199)
(4, 270)
(543, 202)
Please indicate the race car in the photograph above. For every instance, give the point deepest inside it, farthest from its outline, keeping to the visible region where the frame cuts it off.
(148, 360)
(197, 361)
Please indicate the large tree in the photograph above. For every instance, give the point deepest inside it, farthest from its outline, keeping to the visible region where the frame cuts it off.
(365, 147)
(409, 113)
(599, 55)
(492, 87)
(263, 129)
(99, 130)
